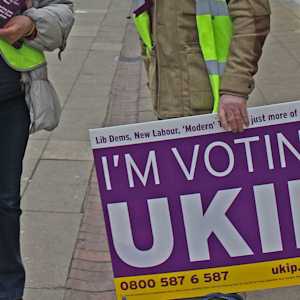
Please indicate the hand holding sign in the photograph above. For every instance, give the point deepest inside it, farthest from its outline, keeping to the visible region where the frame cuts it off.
(233, 113)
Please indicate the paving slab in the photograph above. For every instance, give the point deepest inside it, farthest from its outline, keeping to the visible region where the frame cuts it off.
(106, 34)
(35, 149)
(58, 73)
(33, 154)
(91, 86)
(85, 30)
(58, 186)
(68, 150)
(292, 293)
(80, 42)
(99, 103)
(44, 294)
(92, 4)
(78, 295)
(48, 243)
(115, 47)
(75, 127)
(71, 59)
(103, 62)
(88, 17)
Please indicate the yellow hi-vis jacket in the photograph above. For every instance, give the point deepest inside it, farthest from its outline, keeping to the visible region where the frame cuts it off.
(23, 59)
(214, 32)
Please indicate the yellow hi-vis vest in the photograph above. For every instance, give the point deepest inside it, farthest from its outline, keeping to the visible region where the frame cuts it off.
(214, 31)
(24, 59)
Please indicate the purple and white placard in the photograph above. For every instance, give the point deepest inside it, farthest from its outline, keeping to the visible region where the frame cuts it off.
(183, 194)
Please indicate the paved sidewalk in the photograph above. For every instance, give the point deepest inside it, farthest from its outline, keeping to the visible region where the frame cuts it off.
(101, 82)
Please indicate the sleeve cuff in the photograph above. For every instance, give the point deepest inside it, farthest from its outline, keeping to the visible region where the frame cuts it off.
(236, 85)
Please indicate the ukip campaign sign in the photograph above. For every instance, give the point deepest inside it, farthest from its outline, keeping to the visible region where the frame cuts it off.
(191, 209)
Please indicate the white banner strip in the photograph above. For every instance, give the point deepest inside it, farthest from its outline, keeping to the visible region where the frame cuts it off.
(188, 126)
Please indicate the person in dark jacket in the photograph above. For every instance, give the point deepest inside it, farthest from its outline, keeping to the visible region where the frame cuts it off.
(56, 22)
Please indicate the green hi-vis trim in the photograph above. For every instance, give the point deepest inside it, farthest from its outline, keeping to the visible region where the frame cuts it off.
(206, 37)
(24, 59)
(142, 23)
(223, 35)
(215, 82)
(215, 33)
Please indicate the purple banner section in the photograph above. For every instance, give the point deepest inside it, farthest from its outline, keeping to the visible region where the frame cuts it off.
(9, 8)
(203, 201)
(146, 6)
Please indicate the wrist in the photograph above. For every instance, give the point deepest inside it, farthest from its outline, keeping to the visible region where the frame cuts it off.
(31, 34)
(235, 96)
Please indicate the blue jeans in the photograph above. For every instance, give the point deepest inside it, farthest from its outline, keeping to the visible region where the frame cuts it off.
(14, 132)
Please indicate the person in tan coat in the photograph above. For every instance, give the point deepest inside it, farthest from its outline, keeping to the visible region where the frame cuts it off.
(177, 73)
(178, 77)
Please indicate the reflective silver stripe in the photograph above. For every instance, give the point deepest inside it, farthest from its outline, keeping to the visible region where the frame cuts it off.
(222, 68)
(214, 67)
(203, 7)
(219, 8)
(211, 7)
(138, 3)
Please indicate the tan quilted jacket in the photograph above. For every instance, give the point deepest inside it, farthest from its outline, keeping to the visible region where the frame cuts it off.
(177, 74)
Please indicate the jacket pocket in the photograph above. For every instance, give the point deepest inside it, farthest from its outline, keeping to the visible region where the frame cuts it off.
(198, 80)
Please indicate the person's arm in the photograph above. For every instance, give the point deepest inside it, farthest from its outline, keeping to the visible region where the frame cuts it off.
(251, 25)
(53, 20)
(45, 26)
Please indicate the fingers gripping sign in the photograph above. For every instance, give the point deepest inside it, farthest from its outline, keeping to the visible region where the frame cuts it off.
(233, 113)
